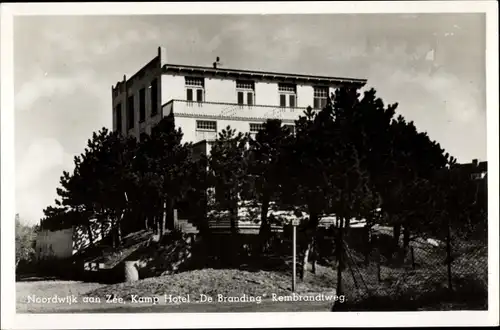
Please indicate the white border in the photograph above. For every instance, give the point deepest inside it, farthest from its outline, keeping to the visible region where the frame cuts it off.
(247, 320)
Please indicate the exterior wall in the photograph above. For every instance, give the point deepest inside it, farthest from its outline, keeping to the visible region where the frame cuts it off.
(131, 87)
(220, 90)
(172, 88)
(224, 91)
(220, 97)
(188, 127)
(54, 244)
(266, 93)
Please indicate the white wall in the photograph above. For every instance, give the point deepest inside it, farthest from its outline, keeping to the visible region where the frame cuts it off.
(266, 94)
(305, 96)
(220, 90)
(224, 91)
(54, 244)
(172, 88)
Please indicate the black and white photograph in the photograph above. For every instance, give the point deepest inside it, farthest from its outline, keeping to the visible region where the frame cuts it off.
(300, 164)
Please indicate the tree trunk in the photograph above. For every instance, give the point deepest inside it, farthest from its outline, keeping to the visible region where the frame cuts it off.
(264, 224)
(305, 261)
(309, 232)
(396, 233)
(406, 242)
(314, 255)
(367, 244)
(118, 229)
(89, 233)
(103, 228)
(169, 211)
(161, 224)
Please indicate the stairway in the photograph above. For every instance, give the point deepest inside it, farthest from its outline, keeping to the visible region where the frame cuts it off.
(186, 227)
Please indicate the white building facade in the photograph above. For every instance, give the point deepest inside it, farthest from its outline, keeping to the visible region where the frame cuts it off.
(205, 100)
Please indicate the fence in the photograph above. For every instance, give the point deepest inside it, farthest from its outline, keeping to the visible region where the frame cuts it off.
(424, 275)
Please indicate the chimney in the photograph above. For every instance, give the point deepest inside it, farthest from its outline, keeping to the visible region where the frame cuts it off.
(217, 62)
(475, 162)
(162, 53)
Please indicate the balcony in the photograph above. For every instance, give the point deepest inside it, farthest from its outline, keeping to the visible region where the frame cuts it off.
(231, 111)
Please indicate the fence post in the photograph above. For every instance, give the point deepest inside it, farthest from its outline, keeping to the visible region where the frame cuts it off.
(412, 258)
(448, 255)
(378, 265)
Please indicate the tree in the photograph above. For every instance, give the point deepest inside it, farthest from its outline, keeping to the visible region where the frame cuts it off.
(413, 157)
(265, 166)
(99, 183)
(228, 168)
(168, 168)
(25, 242)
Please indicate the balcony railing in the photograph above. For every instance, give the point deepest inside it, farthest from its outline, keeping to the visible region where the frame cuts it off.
(218, 110)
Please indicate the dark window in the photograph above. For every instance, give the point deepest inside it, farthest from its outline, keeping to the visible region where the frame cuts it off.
(199, 95)
(320, 97)
(240, 98)
(130, 112)
(118, 111)
(282, 100)
(189, 95)
(250, 98)
(291, 91)
(142, 105)
(154, 97)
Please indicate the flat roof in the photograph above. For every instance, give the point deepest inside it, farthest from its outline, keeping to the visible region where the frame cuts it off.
(263, 75)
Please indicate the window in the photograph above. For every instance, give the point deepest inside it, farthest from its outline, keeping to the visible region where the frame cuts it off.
(254, 128)
(118, 111)
(320, 97)
(195, 84)
(250, 98)
(142, 105)
(282, 100)
(206, 130)
(154, 97)
(130, 112)
(288, 93)
(199, 95)
(206, 125)
(245, 88)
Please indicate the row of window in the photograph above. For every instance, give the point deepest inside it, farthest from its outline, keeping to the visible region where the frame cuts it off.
(195, 90)
(153, 96)
(211, 126)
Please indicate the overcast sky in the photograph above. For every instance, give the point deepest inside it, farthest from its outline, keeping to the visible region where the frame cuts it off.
(433, 65)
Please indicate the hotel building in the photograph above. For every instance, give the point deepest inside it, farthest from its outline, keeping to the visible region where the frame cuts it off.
(205, 100)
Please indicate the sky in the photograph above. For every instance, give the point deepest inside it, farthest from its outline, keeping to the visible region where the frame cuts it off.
(432, 65)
